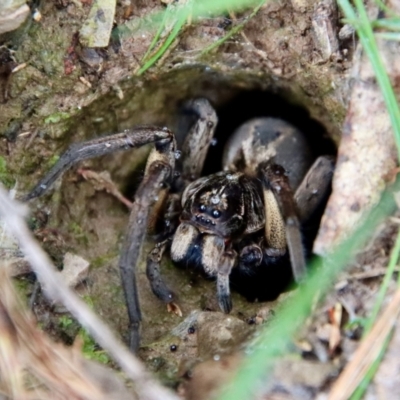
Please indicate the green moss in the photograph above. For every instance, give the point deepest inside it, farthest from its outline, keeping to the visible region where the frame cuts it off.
(156, 363)
(56, 117)
(23, 287)
(5, 177)
(65, 322)
(68, 328)
(90, 348)
(78, 233)
(99, 262)
(52, 161)
(88, 300)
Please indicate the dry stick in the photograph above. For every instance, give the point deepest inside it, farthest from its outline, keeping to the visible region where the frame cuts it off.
(147, 388)
(367, 353)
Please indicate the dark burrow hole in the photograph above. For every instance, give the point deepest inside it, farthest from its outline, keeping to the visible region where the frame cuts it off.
(253, 104)
(241, 107)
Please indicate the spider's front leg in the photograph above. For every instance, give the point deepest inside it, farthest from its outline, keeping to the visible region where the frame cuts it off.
(158, 174)
(128, 139)
(281, 215)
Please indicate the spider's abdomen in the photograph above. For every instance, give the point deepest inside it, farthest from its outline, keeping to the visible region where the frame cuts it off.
(268, 140)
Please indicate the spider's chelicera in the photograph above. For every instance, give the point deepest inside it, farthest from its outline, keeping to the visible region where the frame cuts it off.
(236, 222)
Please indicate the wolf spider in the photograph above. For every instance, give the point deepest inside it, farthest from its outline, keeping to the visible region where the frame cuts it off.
(244, 219)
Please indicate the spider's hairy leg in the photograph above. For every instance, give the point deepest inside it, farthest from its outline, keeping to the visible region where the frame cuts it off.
(198, 140)
(128, 139)
(315, 187)
(276, 183)
(159, 171)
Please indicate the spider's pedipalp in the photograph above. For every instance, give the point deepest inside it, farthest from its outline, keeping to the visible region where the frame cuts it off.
(213, 248)
(184, 238)
(274, 229)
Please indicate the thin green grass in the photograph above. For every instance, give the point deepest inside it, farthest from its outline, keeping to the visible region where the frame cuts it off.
(382, 6)
(194, 9)
(367, 39)
(364, 29)
(387, 23)
(157, 36)
(393, 36)
(163, 49)
(235, 30)
(394, 257)
(197, 9)
(212, 8)
(363, 386)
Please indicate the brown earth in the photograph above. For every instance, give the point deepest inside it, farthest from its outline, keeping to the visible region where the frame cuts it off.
(277, 65)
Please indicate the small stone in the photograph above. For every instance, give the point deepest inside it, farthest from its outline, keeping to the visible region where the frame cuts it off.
(12, 14)
(75, 269)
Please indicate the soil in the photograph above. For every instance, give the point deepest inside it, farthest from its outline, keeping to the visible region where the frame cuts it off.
(276, 66)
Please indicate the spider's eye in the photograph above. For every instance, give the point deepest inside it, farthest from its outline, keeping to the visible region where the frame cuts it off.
(202, 207)
(216, 213)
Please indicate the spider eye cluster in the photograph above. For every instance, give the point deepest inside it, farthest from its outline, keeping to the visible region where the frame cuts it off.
(214, 212)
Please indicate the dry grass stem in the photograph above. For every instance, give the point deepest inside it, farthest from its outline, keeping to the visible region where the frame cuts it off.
(24, 348)
(147, 388)
(367, 353)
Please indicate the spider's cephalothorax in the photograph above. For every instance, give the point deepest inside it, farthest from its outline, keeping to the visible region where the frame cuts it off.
(225, 204)
(234, 223)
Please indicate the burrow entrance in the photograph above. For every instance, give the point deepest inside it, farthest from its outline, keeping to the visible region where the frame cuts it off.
(99, 221)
